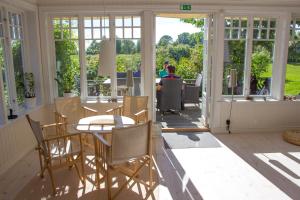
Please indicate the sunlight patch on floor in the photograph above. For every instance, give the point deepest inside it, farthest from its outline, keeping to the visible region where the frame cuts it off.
(218, 173)
(282, 164)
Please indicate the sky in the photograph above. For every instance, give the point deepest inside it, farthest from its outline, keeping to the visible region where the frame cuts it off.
(170, 26)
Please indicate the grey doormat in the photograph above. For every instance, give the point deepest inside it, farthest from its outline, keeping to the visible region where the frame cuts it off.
(189, 140)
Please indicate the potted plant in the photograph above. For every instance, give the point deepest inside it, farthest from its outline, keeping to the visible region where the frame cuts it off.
(30, 99)
(65, 80)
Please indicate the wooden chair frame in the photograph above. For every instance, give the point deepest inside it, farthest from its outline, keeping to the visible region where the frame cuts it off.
(139, 117)
(102, 149)
(63, 157)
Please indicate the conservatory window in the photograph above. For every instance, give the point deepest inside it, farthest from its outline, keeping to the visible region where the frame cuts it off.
(128, 50)
(96, 28)
(3, 64)
(264, 33)
(16, 42)
(234, 52)
(65, 30)
(292, 80)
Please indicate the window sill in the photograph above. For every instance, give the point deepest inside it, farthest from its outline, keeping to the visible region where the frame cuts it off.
(255, 99)
(21, 115)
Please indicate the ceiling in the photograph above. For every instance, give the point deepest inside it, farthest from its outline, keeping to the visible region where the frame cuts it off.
(165, 2)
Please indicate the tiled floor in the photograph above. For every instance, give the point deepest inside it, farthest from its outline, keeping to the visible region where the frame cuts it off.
(234, 167)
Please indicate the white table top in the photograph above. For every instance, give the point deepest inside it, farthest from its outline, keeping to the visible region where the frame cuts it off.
(103, 123)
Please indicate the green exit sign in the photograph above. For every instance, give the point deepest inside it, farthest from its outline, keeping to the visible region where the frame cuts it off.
(185, 7)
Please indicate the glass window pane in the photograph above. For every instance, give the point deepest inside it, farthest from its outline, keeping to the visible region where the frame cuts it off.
(56, 22)
(105, 22)
(119, 32)
(136, 32)
(292, 81)
(88, 33)
(297, 25)
(16, 46)
(263, 34)
(66, 23)
(74, 33)
(74, 23)
(264, 23)
(235, 33)
(273, 23)
(227, 22)
(3, 67)
(255, 34)
(261, 67)
(227, 33)
(127, 21)
(244, 23)
(272, 34)
(119, 21)
(256, 24)
(136, 21)
(235, 22)
(96, 22)
(96, 85)
(234, 58)
(96, 33)
(105, 32)
(243, 33)
(87, 22)
(128, 58)
(127, 33)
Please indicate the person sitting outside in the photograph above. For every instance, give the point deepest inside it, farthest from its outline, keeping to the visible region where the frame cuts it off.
(164, 71)
(170, 75)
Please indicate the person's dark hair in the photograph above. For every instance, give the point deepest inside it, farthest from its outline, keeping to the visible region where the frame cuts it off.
(171, 69)
(166, 62)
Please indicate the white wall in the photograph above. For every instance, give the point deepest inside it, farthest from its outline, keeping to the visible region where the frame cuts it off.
(16, 137)
(257, 116)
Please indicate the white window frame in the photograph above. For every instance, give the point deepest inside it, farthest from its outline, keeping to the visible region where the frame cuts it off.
(81, 38)
(8, 59)
(249, 51)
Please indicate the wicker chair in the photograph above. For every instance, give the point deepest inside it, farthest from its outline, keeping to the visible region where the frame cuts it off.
(128, 153)
(134, 107)
(59, 150)
(192, 91)
(170, 95)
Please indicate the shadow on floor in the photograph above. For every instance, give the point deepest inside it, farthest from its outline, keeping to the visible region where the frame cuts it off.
(270, 156)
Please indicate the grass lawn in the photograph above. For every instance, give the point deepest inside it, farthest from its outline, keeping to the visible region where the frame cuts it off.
(292, 81)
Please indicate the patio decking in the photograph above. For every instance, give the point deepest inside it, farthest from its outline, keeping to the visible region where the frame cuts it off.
(190, 117)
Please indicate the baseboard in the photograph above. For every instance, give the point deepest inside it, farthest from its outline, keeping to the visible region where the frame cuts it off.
(168, 130)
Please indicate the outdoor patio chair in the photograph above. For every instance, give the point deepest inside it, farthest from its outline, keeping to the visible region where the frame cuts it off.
(170, 95)
(134, 107)
(57, 151)
(192, 91)
(129, 151)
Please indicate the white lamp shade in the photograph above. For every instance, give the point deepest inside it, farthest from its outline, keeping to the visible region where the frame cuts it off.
(232, 79)
(106, 57)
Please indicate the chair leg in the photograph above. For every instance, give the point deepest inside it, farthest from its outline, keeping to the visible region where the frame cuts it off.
(52, 179)
(150, 172)
(41, 165)
(82, 168)
(108, 180)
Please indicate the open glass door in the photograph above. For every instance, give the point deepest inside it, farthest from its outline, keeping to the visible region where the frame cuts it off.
(207, 62)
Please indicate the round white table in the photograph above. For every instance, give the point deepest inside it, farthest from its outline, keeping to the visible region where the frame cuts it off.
(103, 123)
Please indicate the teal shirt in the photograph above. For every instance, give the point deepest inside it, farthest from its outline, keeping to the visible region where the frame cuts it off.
(163, 73)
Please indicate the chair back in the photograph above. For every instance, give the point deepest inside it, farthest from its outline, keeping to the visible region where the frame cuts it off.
(198, 80)
(70, 107)
(171, 94)
(37, 131)
(134, 104)
(130, 142)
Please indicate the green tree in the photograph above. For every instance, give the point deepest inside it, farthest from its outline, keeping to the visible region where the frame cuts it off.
(94, 48)
(179, 51)
(165, 40)
(260, 61)
(127, 47)
(183, 38)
